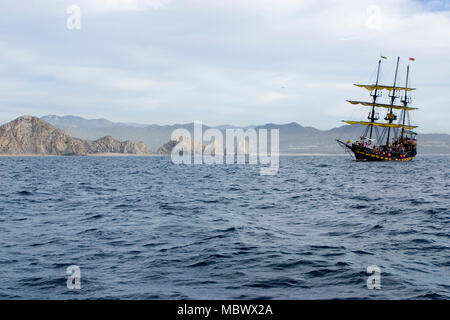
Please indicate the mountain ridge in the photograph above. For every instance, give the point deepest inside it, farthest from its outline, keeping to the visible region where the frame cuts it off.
(294, 138)
(54, 119)
(32, 135)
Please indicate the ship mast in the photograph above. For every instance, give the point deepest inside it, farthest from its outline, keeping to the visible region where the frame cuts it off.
(374, 96)
(390, 116)
(405, 101)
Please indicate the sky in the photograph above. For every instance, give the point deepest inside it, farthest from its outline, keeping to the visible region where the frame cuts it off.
(239, 62)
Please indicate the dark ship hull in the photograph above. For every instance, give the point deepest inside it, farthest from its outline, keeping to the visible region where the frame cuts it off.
(366, 154)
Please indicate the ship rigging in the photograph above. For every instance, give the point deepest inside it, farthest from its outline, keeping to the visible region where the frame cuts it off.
(393, 139)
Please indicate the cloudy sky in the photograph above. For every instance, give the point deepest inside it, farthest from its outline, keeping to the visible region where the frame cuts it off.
(235, 62)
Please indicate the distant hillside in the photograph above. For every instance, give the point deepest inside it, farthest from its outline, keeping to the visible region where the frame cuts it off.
(31, 135)
(294, 138)
(153, 136)
(75, 121)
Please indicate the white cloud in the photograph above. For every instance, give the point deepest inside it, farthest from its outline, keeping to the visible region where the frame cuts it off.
(106, 6)
(233, 61)
(270, 97)
(104, 77)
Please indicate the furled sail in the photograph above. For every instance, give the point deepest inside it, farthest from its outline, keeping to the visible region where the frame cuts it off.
(397, 144)
(391, 125)
(371, 87)
(382, 105)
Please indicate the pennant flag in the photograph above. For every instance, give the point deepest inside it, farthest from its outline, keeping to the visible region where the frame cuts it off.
(412, 59)
(384, 57)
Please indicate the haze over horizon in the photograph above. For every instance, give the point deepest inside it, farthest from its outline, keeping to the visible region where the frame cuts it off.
(235, 63)
(143, 124)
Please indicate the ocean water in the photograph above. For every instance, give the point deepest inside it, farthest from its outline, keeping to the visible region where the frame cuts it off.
(145, 228)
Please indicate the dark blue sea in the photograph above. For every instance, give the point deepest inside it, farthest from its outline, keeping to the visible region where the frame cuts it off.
(145, 228)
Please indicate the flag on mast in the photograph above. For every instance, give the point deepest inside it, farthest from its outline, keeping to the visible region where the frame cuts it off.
(384, 57)
(412, 59)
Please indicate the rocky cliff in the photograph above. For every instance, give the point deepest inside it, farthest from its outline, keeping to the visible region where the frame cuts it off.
(167, 148)
(31, 135)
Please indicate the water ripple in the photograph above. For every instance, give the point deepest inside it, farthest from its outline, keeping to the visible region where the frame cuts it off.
(144, 228)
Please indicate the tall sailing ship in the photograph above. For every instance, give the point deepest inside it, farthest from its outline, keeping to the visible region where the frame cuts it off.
(393, 139)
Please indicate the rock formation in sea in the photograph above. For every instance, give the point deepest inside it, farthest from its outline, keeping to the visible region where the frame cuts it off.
(31, 135)
(167, 148)
(183, 142)
(196, 147)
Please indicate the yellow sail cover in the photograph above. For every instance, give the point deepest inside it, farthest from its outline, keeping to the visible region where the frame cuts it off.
(382, 105)
(392, 125)
(371, 87)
